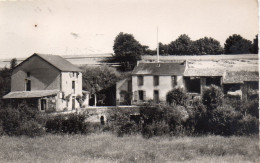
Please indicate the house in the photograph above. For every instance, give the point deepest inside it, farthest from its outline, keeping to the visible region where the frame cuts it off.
(49, 82)
(151, 82)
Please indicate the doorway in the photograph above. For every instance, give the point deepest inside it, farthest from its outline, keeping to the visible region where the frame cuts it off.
(156, 96)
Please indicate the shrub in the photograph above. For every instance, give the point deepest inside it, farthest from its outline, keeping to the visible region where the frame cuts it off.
(225, 120)
(31, 128)
(11, 120)
(71, 124)
(151, 114)
(249, 125)
(176, 97)
(155, 129)
(212, 97)
(128, 128)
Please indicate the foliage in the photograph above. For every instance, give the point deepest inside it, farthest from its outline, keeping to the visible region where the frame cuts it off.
(206, 46)
(176, 97)
(5, 81)
(127, 51)
(100, 80)
(22, 120)
(13, 63)
(212, 97)
(163, 49)
(181, 46)
(71, 124)
(254, 49)
(31, 128)
(236, 44)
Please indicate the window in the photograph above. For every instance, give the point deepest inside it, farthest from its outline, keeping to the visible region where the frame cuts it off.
(141, 95)
(174, 81)
(43, 104)
(156, 80)
(27, 85)
(73, 86)
(140, 80)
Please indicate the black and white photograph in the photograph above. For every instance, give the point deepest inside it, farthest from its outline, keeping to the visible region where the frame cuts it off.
(129, 81)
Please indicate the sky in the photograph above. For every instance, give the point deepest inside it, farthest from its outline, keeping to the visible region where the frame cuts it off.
(76, 27)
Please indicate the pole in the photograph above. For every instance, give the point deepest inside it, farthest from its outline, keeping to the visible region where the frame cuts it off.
(157, 47)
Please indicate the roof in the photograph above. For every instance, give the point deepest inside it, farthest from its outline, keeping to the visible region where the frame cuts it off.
(56, 61)
(230, 77)
(31, 94)
(203, 72)
(159, 69)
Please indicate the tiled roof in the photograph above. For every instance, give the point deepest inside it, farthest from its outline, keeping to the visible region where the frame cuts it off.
(204, 72)
(240, 76)
(59, 62)
(56, 61)
(31, 94)
(159, 69)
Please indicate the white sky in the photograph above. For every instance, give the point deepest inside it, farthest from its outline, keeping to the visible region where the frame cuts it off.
(70, 27)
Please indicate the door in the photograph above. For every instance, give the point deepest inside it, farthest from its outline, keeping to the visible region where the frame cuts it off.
(73, 103)
(156, 96)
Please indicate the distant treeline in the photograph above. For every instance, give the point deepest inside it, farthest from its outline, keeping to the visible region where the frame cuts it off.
(127, 50)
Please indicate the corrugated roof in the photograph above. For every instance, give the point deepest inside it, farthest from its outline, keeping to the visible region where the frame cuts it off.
(31, 94)
(204, 72)
(59, 62)
(240, 76)
(159, 69)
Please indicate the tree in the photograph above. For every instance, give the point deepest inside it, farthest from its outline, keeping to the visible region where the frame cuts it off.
(13, 63)
(254, 48)
(163, 49)
(127, 51)
(236, 44)
(206, 46)
(181, 46)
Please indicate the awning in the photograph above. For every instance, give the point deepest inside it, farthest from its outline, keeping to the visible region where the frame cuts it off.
(31, 94)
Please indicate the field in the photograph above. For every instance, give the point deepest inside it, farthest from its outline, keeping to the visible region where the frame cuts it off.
(109, 148)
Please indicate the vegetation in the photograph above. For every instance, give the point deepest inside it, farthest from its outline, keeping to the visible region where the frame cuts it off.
(109, 148)
(236, 44)
(101, 81)
(127, 51)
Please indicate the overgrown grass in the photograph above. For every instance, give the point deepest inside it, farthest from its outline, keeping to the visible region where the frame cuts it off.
(109, 148)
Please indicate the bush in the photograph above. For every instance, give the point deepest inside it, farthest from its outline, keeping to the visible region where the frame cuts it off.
(128, 128)
(249, 125)
(11, 120)
(225, 120)
(176, 97)
(71, 124)
(212, 97)
(31, 128)
(155, 129)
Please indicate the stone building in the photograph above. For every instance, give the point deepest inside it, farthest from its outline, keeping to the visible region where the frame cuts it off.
(49, 82)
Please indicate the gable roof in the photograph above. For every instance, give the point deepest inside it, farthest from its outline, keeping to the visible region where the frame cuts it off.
(56, 61)
(240, 76)
(159, 69)
(31, 94)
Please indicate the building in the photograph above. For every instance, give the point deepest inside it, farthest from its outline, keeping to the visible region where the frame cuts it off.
(150, 81)
(49, 82)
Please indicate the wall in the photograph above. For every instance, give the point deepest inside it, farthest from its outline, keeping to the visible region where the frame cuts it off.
(66, 88)
(43, 76)
(165, 85)
(121, 86)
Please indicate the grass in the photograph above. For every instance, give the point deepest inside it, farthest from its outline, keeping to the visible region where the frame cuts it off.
(109, 148)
